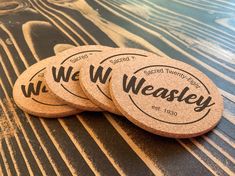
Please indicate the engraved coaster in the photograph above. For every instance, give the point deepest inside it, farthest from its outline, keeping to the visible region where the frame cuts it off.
(32, 95)
(167, 97)
(62, 76)
(95, 74)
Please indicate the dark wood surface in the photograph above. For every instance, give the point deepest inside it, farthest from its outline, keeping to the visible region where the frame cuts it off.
(197, 32)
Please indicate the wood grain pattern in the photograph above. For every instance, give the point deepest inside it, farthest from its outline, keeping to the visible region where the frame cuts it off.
(200, 33)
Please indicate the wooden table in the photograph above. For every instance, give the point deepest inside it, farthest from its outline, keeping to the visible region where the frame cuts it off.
(198, 32)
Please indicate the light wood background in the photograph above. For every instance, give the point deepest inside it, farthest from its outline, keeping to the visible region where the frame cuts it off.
(198, 32)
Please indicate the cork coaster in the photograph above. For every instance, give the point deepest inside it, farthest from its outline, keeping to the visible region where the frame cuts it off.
(32, 95)
(96, 73)
(168, 98)
(62, 76)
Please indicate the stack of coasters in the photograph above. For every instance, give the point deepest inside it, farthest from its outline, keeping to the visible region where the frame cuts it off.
(162, 96)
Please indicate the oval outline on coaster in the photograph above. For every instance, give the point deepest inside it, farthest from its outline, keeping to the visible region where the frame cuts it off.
(161, 126)
(166, 121)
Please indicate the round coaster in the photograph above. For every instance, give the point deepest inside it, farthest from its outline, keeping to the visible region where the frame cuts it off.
(168, 98)
(95, 74)
(62, 76)
(32, 95)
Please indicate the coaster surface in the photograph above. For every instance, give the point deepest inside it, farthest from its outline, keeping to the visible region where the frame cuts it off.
(95, 74)
(62, 76)
(168, 98)
(32, 95)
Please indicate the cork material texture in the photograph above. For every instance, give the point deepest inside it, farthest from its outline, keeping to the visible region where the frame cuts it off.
(167, 97)
(96, 73)
(199, 33)
(62, 76)
(32, 95)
